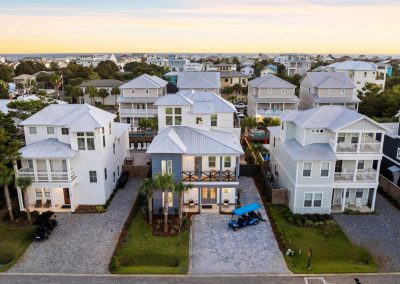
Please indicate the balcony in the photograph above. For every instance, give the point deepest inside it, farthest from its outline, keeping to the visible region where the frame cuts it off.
(47, 176)
(369, 175)
(368, 145)
(138, 112)
(209, 176)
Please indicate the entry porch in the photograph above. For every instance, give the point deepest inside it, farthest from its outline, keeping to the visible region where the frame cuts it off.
(356, 199)
(209, 199)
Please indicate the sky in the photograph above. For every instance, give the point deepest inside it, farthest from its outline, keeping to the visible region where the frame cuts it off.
(205, 26)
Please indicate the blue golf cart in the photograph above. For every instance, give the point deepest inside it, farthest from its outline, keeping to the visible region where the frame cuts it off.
(245, 216)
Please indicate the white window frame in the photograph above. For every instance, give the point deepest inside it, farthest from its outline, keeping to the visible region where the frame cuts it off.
(313, 194)
(304, 199)
(64, 131)
(228, 159)
(94, 177)
(359, 190)
(214, 118)
(361, 162)
(51, 128)
(32, 130)
(302, 171)
(215, 161)
(166, 167)
(329, 169)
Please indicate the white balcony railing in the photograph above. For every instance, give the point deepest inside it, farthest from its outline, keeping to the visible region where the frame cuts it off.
(346, 148)
(369, 175)
(47, 176)
(344, 177)
(132, 112)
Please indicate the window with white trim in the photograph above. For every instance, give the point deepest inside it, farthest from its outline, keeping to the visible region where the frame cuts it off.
(50, 130)
(87, 137)
(317, 200)
(313, 199)
(166, 167)
(173, 116)
(32, 130)
(360, 165)
(227, 161)
(211, 161)
(93, 176)
(341, 138)
(308, 199)
(359, 193)
(214, 118)
(307, 169)
(105, 173)
(324, 169)
(64, 131)
(38, 193)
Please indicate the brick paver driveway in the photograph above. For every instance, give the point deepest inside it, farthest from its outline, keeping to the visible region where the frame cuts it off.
(82, 243)
(217, 249)
(379, 234)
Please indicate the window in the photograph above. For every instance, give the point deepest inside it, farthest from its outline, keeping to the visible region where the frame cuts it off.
(38, 193)
(227, 162)
(317, 199)
(166, 167)
(199, 120)
(214, 118)
(307, 169)
(359, 193)
(32, 130)
(170, 199)
(109, 128)
(64, 131)
(30, 164)
(211, 162)
(173, 116)
(274, 141)
(341, 138)
(317, 131)
(102, 130)
(93, 176)
(104, 141)
(81, 144)
(90, 143)
(226, 80)
(398, 153)
(114, 148)
(50, 130)
(117, 170)
(324, 169)
(114, 176)
(308, 199)
(105, 173)
(354, 139)
(88, 137)
(360, 165)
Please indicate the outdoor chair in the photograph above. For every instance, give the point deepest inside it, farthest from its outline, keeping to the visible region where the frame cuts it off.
(38, 203)
(191, 203)
(358, 203)
(139, 146)
(48, 203)
(226, 203)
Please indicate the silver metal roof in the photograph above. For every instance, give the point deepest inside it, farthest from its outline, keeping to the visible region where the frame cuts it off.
(352, 99)
(145, 82)
(353, 66)
(122, 99)
(312, 152)
(329, 80)
(49, 148)
(271, 82)
(291, 99)
(106, 83)
(198, 80)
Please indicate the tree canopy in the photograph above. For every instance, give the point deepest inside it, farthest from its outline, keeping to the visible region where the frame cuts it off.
(6, 73)
(29, 67)
(106, 69)
(23, 109)
(140, 68)
(4, 90)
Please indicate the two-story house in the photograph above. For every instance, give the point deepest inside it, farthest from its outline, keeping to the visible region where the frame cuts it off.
(361, 72)
(73, 154)
(390, 168)
(198, 143)
(232, 78)
(137, 98)
(327, 88)
(199, 81)
(328, 158)
(107, 84)
(295, 64)
(269, 95)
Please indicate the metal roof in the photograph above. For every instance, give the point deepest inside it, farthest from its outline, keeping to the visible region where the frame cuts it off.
(393, 129)
(271, 82)
(120, 128)
(193, 141)
(173, 100)
(145, 82)
(49, 148)
(197, 80)
(291, 99)
(105, 83)
(352, 99)
(331, 80)
(232, 74)
(312, 152)
(122, 99)
(353, 66)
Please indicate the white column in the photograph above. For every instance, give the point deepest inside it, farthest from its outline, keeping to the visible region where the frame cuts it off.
(378, 170)
(283, 107)
(270, 105)
(146, 108)
(20, 199)
(355, 171)
(359, 142)
(373, 199)
(48, 167)
(344, 198)
(35, 170)
(335, 142)
(53, 205)
(69, 170)
(382, 140)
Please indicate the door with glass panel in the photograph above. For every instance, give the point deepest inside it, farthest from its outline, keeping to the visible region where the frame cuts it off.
(208, 195)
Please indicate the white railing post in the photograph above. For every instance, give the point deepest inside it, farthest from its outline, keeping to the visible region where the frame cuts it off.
(344, 198)
(359, 142)
(69, 173)
(48, 167)
(355, 171)
(35, 175)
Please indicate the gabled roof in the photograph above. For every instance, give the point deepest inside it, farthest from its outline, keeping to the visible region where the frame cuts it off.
(329, 117)
(232, 74)
(353, 65)
(173, 100)
(329, 80)
(102, 83)
(312, 152)
(24, 77)
(271, 81)
(192, 141)
(48, 148)
(198, 80)
(76, 117)
(145, 82)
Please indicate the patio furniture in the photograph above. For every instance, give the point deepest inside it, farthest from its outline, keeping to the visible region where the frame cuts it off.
(38, 203)
(191, 203)
(48, 203)
(226, 203)
(352, 204)
(139, 146)
(358, 203)
(144, 146)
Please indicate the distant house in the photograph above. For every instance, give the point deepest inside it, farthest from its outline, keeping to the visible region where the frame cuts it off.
(327, 88)
(390, 167)
(106, 84)
(247, 63)
(248, 71)
(199, 81)
(328, 158)
(192, 66)
(225, 67)
(295, 64)
(231, 78)
(270, 69)
(94, 59)
(269, 96)
(361, 72)
(26, 81)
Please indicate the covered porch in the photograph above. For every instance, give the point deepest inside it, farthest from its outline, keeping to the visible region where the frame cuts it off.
(356, 199)
(209, 199)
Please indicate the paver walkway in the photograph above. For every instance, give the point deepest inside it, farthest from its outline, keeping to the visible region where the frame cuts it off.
(217, 249)
(81, 243)
(379, 234)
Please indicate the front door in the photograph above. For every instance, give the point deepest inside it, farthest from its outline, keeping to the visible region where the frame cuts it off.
(67, 200)
(208, 195)
(337, 196)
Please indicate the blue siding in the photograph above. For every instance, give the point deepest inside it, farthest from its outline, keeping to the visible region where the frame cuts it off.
(390, 146)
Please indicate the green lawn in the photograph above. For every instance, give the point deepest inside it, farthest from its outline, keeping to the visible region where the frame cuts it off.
(13, 243)
(332, 250)
(146, 254)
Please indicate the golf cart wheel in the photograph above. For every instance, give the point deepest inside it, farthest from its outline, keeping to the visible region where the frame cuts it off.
(47, 236)
(236, 229)
(256, 222)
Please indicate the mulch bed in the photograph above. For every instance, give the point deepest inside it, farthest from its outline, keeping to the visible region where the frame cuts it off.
(173, 225)
(86, 209)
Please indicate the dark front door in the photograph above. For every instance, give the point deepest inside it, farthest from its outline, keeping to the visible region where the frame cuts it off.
(67, 200)
(208, 195)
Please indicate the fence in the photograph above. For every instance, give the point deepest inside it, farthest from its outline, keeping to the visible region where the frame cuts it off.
(389, 188)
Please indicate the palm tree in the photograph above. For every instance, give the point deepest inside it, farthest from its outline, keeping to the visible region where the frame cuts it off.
(267, 122)
(115, 92)
(165, 183)
(24, 183)
(56, 81)
(248, 122)
(103, 94)
(147, 187)
(6, 177)
(180, 188)
(92, 92)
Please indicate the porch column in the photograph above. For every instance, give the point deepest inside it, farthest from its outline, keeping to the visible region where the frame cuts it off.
(355, 171)
(35, 170)
(20, 199)
(344, 198)
(48, 167)
(335, 142)
(377, 170)
(199, 190)
(145, 105)
(69, 170)
(382, 140)
(220, 168)
(270, 106)
(53, 205)
(237, 167)
(283, 107)
(373, 199)
(220, 198)
(359, 142)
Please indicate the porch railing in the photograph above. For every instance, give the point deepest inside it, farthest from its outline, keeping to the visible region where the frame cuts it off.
(226, 175)
(346, 147)
(344, 177)
(47, 176)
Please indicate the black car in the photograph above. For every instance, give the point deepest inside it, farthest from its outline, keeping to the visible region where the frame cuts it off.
(42, 232)
(122, 180)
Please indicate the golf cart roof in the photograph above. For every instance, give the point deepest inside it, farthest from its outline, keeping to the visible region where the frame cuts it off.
(246, 209)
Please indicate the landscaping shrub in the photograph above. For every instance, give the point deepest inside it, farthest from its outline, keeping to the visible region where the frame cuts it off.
(100, 209)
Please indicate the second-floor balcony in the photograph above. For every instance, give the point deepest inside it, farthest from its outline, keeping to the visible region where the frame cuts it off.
(138, 112)
(209, 176)
(369, 175)
(47, 176)
(364, 145)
